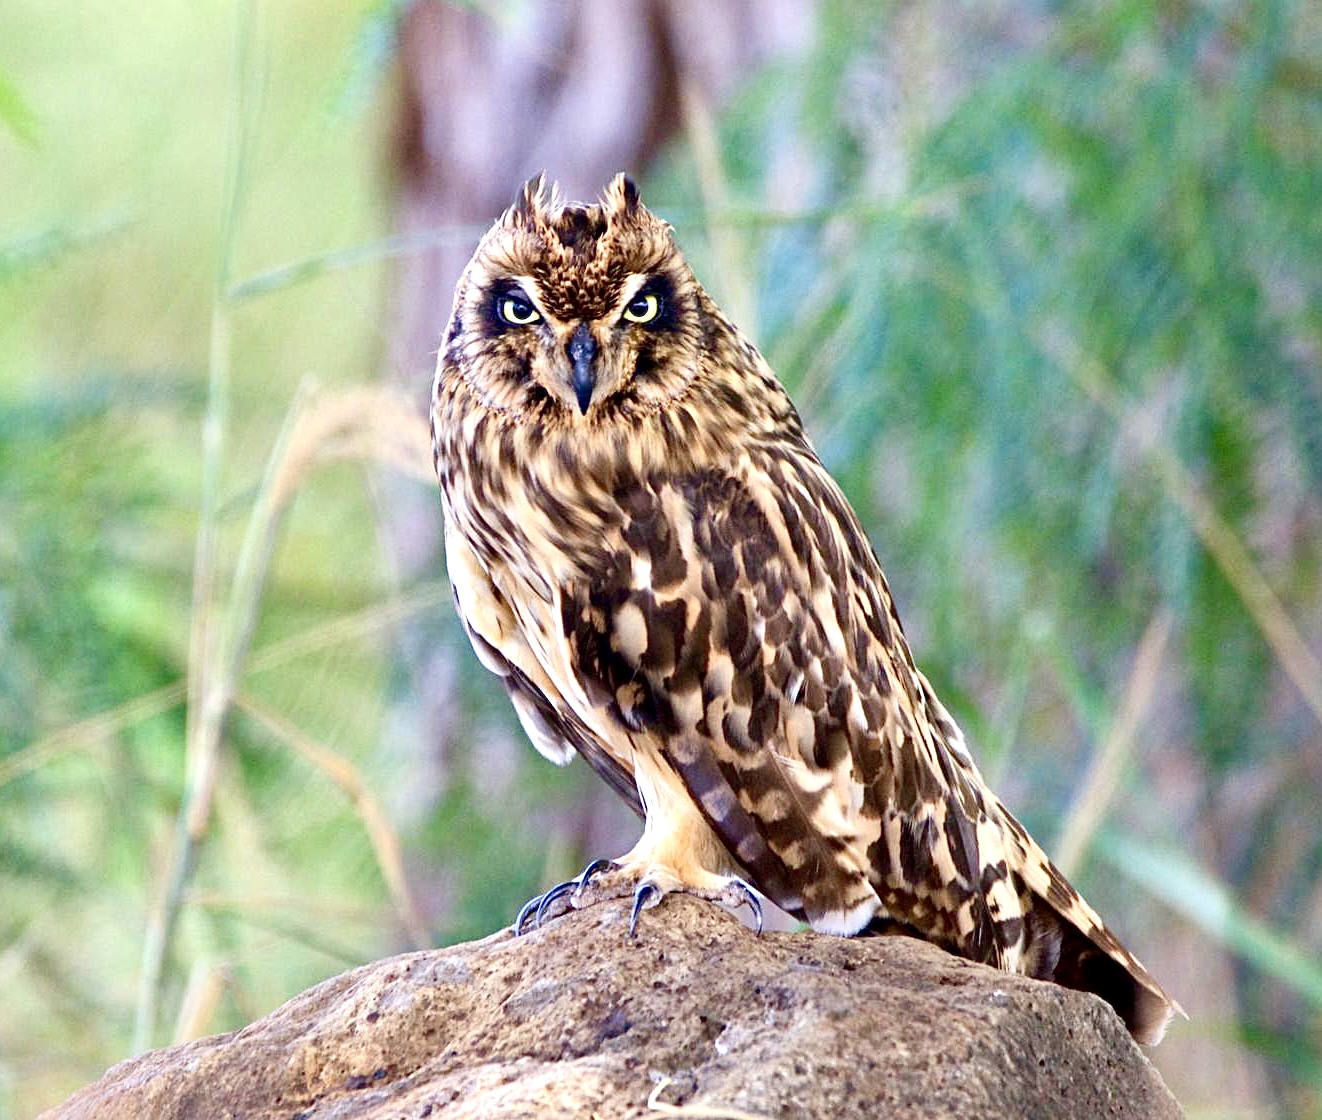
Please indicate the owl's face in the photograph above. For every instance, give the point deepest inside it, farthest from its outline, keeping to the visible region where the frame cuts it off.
(576, 313)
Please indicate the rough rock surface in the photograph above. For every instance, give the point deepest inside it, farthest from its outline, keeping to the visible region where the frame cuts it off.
(576, 1020)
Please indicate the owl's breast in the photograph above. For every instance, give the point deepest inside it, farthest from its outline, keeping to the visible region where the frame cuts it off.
(536, 506)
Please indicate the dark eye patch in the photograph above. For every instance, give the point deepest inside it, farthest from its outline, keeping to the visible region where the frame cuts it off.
(660, 286)
(493, 320)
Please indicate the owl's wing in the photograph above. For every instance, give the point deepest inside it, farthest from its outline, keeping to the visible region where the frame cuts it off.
(742, 628)
(552, 726)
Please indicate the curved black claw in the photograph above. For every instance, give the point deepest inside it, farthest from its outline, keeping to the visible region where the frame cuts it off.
(749, 898)
(642, 895)
(528, 908)
(596, 867)
(549, 899)
(538, 906)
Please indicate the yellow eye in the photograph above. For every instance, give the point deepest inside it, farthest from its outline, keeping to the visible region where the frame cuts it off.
(643, 308)
(517, 311)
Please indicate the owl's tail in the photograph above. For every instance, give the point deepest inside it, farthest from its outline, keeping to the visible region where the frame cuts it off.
(1057, 949)
(1064, 939)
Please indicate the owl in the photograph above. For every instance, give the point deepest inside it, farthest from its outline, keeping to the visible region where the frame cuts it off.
(646, 549)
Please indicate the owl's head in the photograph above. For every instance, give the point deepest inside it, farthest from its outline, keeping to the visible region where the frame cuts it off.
(576, 312)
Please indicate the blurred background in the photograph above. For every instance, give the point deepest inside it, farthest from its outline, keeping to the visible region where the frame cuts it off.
(1044, 278)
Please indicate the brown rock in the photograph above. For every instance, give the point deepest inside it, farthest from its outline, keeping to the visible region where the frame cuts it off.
(577, 1020)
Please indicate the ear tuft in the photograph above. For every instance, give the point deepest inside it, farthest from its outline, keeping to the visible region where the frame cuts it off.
(620, 199)
(528, 201)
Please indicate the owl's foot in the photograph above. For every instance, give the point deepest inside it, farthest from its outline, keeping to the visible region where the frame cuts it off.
(559, 899)
(732, 894)
(604, 879)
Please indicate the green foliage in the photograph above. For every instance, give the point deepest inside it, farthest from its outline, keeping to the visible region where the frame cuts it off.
(15, 113)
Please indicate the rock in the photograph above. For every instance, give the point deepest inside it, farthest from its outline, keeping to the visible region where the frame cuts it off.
(577, 1020)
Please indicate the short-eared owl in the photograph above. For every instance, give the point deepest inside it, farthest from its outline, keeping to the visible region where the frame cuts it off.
(645, 547)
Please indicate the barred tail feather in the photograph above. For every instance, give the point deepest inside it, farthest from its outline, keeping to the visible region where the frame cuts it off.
(1058, 950)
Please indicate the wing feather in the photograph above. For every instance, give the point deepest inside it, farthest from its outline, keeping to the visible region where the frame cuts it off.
(550, 724)
(705, 638)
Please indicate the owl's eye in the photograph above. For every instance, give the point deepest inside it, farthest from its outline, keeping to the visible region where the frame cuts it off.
(643, 308)
(517, 311)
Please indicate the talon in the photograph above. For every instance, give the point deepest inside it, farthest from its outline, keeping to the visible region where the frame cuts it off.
(642, 897)
(749, 897)
(593, 869)
(596, 867)
(553, 895)
(536, 908)
(588, 873)
(527, 908)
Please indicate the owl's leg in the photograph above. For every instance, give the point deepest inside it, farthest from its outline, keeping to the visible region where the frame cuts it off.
(596, 884)
(646, 875)
(678, 851)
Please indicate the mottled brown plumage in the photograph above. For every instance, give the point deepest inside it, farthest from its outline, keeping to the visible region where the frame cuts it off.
(645, 547)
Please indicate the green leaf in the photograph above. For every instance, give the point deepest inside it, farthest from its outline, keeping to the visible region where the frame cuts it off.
(1209, 904)
(17, 114)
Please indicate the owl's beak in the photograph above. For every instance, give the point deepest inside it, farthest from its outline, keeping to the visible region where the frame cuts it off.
(583, 357)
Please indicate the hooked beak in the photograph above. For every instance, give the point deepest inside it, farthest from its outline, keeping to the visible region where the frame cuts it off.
(583, 356)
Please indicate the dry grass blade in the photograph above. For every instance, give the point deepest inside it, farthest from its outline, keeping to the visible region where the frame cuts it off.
(1267, 611)
(205, 715)
(372, 252)
(347, 627)
(1105, 771)
(370, 423)
(696, 1111)
(216, 653)
(206, 984)
(318, 906)
(1225, 548)
(365, 422)
(385, 843)
(88, 732)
